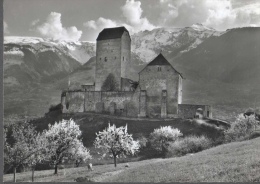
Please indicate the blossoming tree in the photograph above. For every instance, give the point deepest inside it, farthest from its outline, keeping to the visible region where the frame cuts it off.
(64, 143)
(160, 137)
(116, 141)
(22, 147)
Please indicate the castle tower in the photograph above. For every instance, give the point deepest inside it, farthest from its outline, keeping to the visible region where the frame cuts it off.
(112, 53)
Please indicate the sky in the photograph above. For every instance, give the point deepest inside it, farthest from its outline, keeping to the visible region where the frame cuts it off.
(83, 19)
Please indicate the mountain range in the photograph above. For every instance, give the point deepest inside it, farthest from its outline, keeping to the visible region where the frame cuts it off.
(220, 68)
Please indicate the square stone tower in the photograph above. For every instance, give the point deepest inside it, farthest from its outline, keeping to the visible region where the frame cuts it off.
(112, 53)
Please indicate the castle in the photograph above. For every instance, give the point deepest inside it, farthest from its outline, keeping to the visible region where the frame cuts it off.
(158, 93)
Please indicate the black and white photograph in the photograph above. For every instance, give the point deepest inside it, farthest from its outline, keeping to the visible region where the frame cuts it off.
(131, 91)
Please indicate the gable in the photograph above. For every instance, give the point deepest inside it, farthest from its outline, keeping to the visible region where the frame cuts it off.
(160, 61)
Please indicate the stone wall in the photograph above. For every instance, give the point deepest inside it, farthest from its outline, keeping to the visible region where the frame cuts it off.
(125, 103)
(189, 110)
(125, 52)
(108, 60)
(111, 57)
(154, 81)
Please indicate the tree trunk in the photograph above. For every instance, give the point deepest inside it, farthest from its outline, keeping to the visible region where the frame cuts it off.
(56, 169)
(14, 174)
(115, 160)
(32, 173)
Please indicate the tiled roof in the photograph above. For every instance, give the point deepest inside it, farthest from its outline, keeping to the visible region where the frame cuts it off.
(111, 33)
(159, 60)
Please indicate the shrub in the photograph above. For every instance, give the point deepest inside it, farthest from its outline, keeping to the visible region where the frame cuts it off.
(190, 144)
(161, 137)
(254, 135)
(55, 107)
(242, 128)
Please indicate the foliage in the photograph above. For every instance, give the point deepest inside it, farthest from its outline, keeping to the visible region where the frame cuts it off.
(23, 147)
(110, 83)
(79, 153)
(161, 137)
(116, 141)
(55, 107)
(63, 140)
(190, 144)
(242, 128)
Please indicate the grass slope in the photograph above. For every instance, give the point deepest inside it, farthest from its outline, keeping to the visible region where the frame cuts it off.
(234, 162)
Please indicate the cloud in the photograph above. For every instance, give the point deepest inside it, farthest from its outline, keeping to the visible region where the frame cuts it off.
(219, 14)
(6, 30)
(53, 29)
(132, 11)
(34, 22)
(134, 22)
(100, 24)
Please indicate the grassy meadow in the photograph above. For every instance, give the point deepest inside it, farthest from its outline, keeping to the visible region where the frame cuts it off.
(233, 162)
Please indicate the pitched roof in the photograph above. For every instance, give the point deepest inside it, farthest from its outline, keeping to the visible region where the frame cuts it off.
(111, 33)
(160, 60)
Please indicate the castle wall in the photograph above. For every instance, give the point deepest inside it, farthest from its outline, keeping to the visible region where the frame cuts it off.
(189, 110)
(125, 52)
(154, 81)
(74, 102)
(108, 60)
(126, 103)
(180, 90)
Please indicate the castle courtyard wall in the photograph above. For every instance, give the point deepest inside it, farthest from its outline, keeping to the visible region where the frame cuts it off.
(126, 103)
(189, 110)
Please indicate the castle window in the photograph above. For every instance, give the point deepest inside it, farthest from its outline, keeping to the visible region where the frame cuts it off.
(105, 58)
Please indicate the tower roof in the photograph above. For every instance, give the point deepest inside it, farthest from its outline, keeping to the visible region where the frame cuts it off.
(111, 33)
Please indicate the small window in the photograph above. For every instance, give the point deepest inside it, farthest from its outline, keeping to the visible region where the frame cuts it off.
(159, 68)
(112, 50)
(123, 58)
(100, 59)
(105, 59)
(115, 57)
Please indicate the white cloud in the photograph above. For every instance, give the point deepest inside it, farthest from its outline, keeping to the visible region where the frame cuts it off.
(53, 29)
(220, 14)
(6, 30)
(132, 11)
(34, 22)
(100, 24)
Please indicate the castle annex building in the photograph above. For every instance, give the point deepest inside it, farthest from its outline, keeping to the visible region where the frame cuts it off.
(158, 93)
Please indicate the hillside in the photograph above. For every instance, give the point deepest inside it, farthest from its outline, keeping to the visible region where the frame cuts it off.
(234, 162)
(91, 123)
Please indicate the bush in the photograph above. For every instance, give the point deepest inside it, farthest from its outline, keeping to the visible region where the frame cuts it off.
(241, 129)
(55, 107)
(254, 135)
(190, 144)
(161, 137)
